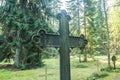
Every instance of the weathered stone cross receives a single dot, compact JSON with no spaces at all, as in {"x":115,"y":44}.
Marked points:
{"x":63,"y":41}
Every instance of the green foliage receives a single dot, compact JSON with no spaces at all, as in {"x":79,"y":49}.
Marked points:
{"x":20,"y":20}
{"x":114,"y":27}
{"x":50,"y":53}
{"x":88,"y":18}
{"x":95,"y":26}
{"x":98,"y":75}
{"x":108,"y":68}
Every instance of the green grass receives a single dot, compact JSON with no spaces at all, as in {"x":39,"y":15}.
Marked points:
{"x":52,"y":68}
{"x":79,"y":71}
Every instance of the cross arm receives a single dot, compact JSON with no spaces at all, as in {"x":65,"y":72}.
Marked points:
{"x":46,"y":39}
{"x":52,"y":40}
{"x":80,"y":42}
{"x":75,"y":41}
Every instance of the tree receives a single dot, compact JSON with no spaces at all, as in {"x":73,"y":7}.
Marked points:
{"x":90,"y":28}
{"x":21,"y":19}
{"x":114,"y":23}
{"x":107,"y":28}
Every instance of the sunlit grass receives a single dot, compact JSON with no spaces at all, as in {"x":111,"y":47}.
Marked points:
{"x":79,"y":71}
{"x":50,"y":71}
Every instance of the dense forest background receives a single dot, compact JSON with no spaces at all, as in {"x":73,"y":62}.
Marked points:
{"x":98,"y":20}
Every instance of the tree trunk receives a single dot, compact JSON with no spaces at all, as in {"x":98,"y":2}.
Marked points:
{"x":18,"y":50}
{"x":80,"y":52}
{"x":85,"y":54}
{"x":107,"y":27}
{"x":18,"y":44}
{"x":78,"y":26}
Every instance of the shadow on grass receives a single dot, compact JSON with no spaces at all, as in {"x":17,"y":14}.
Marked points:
{"x":81,"y":66}
{"x":111,"y":69}
{"x":9,"y":67}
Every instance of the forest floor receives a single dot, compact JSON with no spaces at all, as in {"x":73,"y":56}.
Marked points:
{"x":79,"y":71}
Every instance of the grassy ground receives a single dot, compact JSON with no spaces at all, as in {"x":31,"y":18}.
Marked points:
{"x":79,"y":71}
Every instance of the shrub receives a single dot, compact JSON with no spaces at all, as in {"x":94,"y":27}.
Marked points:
{"x":98,"y":75}
{"x":107,"y":69}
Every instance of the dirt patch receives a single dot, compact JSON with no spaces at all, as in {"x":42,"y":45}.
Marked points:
{"x":9,"y":67}
{"x":116,"y":77}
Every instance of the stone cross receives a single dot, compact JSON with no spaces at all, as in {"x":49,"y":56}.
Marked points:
{"x":64,"y":41}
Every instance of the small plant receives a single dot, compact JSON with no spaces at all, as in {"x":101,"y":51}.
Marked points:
{"x":98,"y":75}
{"x":107,"y":69}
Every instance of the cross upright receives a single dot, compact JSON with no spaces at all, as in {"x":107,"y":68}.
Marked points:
{"x":64,"y":41}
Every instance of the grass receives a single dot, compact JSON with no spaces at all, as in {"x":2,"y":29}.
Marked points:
{"x":79,"y":71}
{"x":34,"y":74}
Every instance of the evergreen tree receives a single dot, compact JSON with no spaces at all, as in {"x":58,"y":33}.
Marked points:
{"x":21,"y":19}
